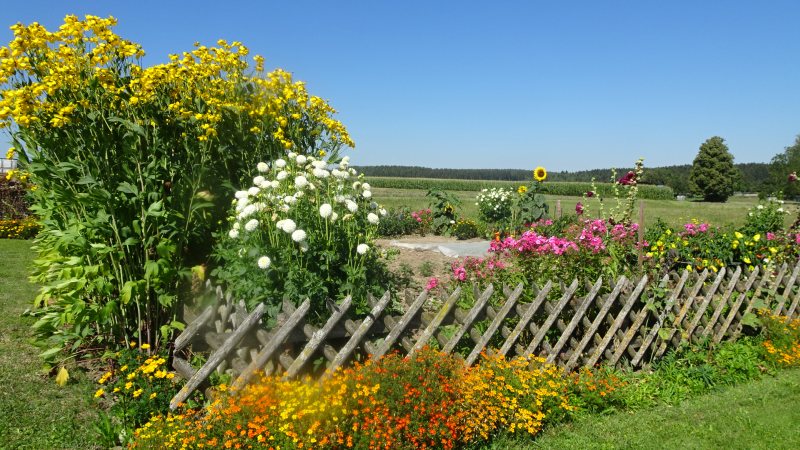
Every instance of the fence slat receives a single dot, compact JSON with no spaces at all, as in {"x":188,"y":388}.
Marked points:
{"x":317,"y":338}
{"x":435,"y":322}
{"x":638,"y":320}
{"x":650,"y":338}
{"x":216,"y":358}
{"x":709,"y":327}
{"x":551,"y":318}
{"x":598,"y":320}
{"x":467,"y":323}
{"x":498,"y":319}
{"x":787,"y":290}
{"x":620,"y":318}
{"x":355,"y":339}
{"x":699,"y":312}
{"x":681,"y":314}
{"x":401,"y":325}
{"x":526,"y":317}
{"x":269,"y":350}
{"x":193,"y":328}
{"x":578,"y":315}
{"x":735,"y":307}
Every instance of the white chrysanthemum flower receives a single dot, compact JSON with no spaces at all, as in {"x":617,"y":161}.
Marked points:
{"x":236,"y":225}
{"x":289,"y":226}
{"x":382,"y":212}
{"x":319,"y":164}
{"x":780,"y":210}
{"x":321,"y":173}
{"x":285,"y":208}
{"x":373,"y":218}
{"x":338,"y":198}
{"x":247,"y":211}
{"x":334,"y":216}
{"x":241,"y":195}
{"x":251,"y":225}
{"x":760,"y":206}
{"x":292,"y":155}
{"x":253,"y":191}
{"x":301,"y":159}
{"x":289,"y":199}
{"x":299,"y":236}
{"x":282,"y":175}
{"x":300,"y":182}
{"x":352,"y":171}
{"x":351,"y":205}
{"x":362,"y":249}
{"x":280,"y":164}
{"x":265,"y":184}
{"x":344,"y":162}
{"x":304,"y":246}
{"x":325,"y":210}
{"x":264,"y":262}
{"x":274,"y":184}
{"x":234,"y":233}
{"x":262,"y":167}
{"x":258,"y":179}
{"x":366,"y":186}
{"x":241,"y":204}
{"x":367,"y":194}
{"x":356,"y":185}
{"x":299,"y":194}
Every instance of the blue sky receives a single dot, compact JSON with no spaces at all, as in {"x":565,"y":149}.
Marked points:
{"x":567,"y":85}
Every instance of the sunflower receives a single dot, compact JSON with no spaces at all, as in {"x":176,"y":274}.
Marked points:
{"x":522,"y":189}
{"x":539,"y":174}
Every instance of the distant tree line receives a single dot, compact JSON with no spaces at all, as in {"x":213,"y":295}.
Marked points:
{"x":751,"y":177}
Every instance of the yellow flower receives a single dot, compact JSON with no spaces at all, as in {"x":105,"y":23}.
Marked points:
{"x":145,"y":346}
{"x":540,"y":174}
{"x":137,"y":393}
{"x":689,"y":267}
{"x":99,"y":393}
{"x":133,"y":344}
{"x":738,"y":235}
{"x":757,"y":238}
{"x":522,"y":189}
{"x":128,"y":385}
{"x":104,"y":378}
{"x":746,"y":259}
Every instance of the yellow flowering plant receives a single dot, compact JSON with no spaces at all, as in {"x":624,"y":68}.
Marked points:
{"x":135,"y":164}
{"x":135,"y":385}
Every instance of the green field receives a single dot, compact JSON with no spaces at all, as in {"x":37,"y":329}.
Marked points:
{"x":674,"y":212}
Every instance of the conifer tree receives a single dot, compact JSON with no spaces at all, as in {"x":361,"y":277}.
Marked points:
{"x":713,"y":175}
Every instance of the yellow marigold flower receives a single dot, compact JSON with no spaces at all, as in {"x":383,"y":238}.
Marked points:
{"x":738,"y":235}
{"x":540,"y":174}
{"x":153,"y":395}
{"x":128,"y":385}
{"x":145,"y":346}
{"x":137,"y":393}
{"x":757,"y":238}
{"x":10,"y":153}
{"x":689,"y":267}
{"x":133,"y":344}
{"x":746,"y":259}
{"x":99,"y":393}
{"x":104,"y":378}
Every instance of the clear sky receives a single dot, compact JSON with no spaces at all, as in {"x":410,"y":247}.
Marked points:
{"x":569,"y":85}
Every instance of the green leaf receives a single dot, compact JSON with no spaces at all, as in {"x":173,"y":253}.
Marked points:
{"x":128,"y":188}
{"x":129,"y":125}
{"x":50,"y":353}
{"x":127,"y":292}
{"x":751,"y":320}
{"x":155,"y":209}
{"x":664,"y":333}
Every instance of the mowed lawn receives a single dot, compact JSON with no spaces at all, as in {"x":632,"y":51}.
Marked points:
{"x":35,"y":413}
{"x":674,"y":212}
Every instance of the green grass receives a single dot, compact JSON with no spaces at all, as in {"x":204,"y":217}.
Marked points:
{"x":35,"y":413}
{"x":674,"y":212}
{"x":762,"y":414}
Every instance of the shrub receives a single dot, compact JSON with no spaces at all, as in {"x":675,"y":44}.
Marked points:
{"x":14,"y":189}
{"x":26,"y":228}
{"x":397,"y":222}
{"x":765,"y":218}
{"x":466,"y":229}
{"x":443,"y":207}
{"x":494,"y":205}
{"x":133,"y":165}
{"x":713,"y":174}
{"x":303,"y":231}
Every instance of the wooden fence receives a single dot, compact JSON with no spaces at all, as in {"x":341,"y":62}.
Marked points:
{"x":624,"y":322}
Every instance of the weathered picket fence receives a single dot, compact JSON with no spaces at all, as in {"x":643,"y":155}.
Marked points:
{"x":627,"y":324}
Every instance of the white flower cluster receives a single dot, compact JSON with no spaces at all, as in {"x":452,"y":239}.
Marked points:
{"x":495,"y":203}
{"x":303,"y":190}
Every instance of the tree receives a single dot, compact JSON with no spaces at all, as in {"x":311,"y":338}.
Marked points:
{"x":713,"y":175}
{"x":780,"y":170}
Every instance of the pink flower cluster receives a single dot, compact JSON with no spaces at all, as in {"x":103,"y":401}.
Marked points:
{"x":423,"y":215}
{"x":476,"y":268}
{"x":532,"y":242}
{"x":693,"y":229}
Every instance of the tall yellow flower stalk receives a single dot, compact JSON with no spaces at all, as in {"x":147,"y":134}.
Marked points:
{"x":134,"y":163}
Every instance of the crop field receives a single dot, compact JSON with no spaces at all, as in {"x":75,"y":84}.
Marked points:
{"x":674,"y":212}
{"x":570,"y":188}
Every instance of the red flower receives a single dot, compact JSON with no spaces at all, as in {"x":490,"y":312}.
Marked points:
{"x":579,"y":208}
{"x":793,"y":177}
{"x":589,"y":194}
{"x":628,"y":179}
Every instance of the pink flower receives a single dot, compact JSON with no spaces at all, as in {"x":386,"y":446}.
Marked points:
{"x":579,"y":208}
{"x":793,"y":177}
{"x":433,"y":282}
{"x":589,"y":194}
{"x":460,"y":273}
{"x":770,"y":236}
